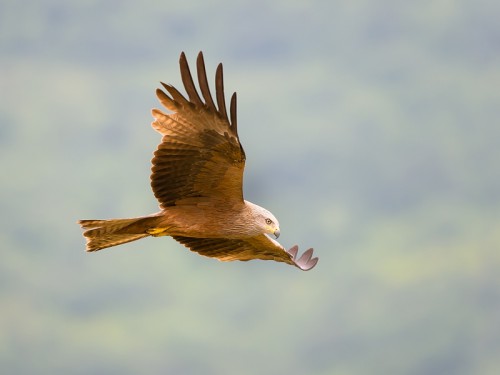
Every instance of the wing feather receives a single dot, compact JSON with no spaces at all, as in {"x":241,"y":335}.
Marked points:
{"x":232,"y":110}
{"x":203,"y":82}
{"x":177,"y":97}
{"x":259,"y":247}
{"x":187,"y":80}
{"x":200,"y":154}
{"x":219,"y":92}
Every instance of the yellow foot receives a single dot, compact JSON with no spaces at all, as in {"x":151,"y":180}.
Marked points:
{"x":157,"y":232}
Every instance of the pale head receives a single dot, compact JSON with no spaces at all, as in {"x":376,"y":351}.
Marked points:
{"x":264,"y":220}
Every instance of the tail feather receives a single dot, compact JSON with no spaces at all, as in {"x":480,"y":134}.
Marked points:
{"x":101,"y":234}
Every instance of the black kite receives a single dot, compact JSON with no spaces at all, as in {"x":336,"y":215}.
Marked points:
{"x":197,"y":177}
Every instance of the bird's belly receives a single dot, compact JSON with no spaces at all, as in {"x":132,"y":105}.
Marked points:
{"x":193,"y":221}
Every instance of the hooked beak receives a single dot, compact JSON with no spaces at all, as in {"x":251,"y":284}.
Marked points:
{"x":277,"y":233}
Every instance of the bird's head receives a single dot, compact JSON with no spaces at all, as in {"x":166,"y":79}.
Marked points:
{"x":265,"y":220}
{"x":272,"y":226}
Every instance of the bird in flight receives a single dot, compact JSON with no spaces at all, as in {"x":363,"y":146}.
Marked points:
{"x":197,"y":178}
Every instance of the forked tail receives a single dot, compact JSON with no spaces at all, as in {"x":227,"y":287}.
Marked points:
{"x":101,"y":234}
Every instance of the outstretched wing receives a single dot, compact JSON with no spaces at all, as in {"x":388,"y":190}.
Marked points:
{"x":259,"y":247}
{"x":200,"y":154}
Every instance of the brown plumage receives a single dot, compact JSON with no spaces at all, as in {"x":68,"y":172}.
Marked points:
{"x":197,"y":177}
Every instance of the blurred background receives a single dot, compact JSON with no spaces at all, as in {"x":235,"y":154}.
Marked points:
{"x":371,"y":131}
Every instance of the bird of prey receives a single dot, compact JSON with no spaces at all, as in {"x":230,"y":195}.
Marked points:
{"x":197,"y":177}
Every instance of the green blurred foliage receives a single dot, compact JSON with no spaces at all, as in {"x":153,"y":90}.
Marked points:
{"x":371,"y":131}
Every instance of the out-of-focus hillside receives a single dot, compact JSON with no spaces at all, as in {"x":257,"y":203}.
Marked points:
{"x":371,"y":132}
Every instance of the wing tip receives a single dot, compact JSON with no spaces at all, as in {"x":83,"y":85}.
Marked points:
{"x":305,"y":262}
{"x":192,"y":91}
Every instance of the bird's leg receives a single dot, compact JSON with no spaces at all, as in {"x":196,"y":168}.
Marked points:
{"x":157,"y":232}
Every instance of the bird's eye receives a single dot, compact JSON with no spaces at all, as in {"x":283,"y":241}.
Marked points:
{"x":269,"y":221}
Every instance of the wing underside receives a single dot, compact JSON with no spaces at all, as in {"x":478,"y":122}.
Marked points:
{"x":260,"y":247}
{"x":200,"y":154}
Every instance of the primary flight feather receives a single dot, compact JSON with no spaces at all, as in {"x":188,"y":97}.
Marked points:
{"x":197,"y":177}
